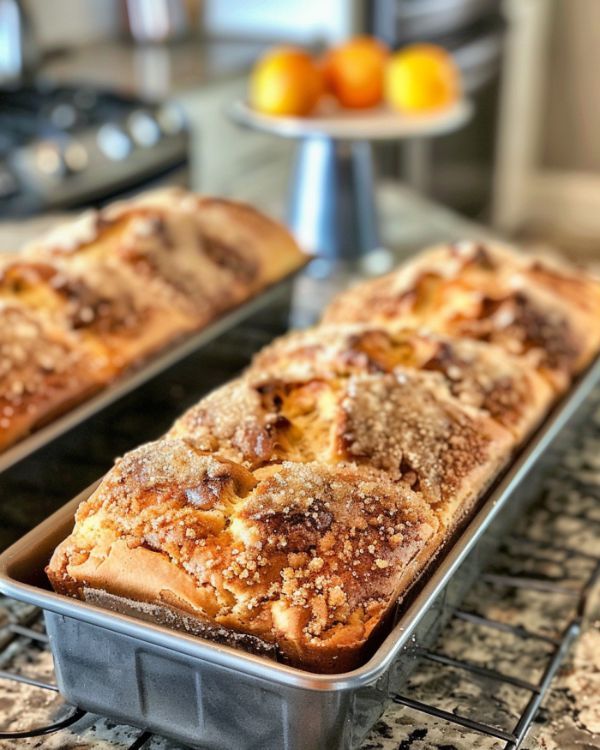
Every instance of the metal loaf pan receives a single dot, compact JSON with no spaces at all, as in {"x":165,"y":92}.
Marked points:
{"x":217,"y":698}
{"x":140,"y":374}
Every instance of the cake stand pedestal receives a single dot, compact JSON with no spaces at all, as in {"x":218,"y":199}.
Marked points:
{"x":331,"y":209}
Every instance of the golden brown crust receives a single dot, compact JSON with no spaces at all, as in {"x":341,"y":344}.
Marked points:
{"x":259,"y":555}
{"x":402,"y":424}
{"x":490,"y":294}
{"x":117,"y":285}
{"x":256,"y":240}
{"x":196,"y":244}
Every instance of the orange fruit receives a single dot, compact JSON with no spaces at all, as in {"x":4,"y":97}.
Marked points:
{"x":285,"y":81}
{"x":421,"y":77}
{"x":354,"y":72}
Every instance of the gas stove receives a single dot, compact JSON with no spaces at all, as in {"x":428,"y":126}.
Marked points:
{"x":65,"y":146}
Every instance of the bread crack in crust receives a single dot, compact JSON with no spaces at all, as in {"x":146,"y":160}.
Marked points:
{"x":290,"y":511}
{"x":117,"y":285}
{"x":264,"y":422}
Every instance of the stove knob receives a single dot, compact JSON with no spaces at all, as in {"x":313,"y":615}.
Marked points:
{"x":114,"y":141}
{"x":76,"y":156}
{"x":144,"y":128}
{"x":49,"y":160}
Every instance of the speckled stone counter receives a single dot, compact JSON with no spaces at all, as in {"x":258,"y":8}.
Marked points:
{"x":567,"y":515}
{"x":156,"y":71}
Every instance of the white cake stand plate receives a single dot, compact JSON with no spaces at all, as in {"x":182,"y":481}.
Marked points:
{"x":379,"y":124}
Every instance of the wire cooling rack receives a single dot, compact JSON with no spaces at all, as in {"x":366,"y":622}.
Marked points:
{"x":550,"y":585}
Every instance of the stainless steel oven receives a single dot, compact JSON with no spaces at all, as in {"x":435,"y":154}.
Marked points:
{"x":63,"y":147}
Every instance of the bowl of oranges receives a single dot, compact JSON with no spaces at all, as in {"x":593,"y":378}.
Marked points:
{"x":358,"y":89}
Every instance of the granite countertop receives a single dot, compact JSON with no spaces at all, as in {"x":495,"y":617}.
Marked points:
{"x":155,"y":71}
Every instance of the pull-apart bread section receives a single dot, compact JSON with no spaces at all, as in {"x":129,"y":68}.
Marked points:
{"x":117,"y":285}
{"x":206,"y":250}
{"x":291,"y":509}
{"x":165,"y":263}
{"x":529,"y":306}
{"x":403,"y":423}
{"x":104,"y":305}
{"x":477,"y":374}
{"x":309,"y":558}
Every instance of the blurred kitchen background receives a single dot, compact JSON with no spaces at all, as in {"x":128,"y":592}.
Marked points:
{"x":101,"y":98}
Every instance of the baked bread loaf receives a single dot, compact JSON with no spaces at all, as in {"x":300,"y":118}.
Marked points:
{"x":291,"y":509}
{"x":116,"y":285}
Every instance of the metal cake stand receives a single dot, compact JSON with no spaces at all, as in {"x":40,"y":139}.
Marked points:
{"x":332,"y":209}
